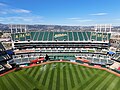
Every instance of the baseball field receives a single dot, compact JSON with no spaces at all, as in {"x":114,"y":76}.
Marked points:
{"x":60,"y":76}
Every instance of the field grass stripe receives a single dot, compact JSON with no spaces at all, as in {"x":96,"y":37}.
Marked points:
{"x":58,"y":77}
{"x":25,"y":79}
{"x":48,"y":79}
{"x":75,"y":75}
{"x":117,"y":86}
{"x":104,"y":82}
{"x":29,"y":70}
{"x":99,"y":81}
{"x":88,"y":74}
{"x":7,"y":83}
{"x":12,"y":82}
{"x":90,"y":71}
{"x":36,"y":70}
{"x":68,"y":77}
{"x":25,"y":69}
{"x":65,"y":78}
{"x":61,"y":76}
{"x":71,"y":76}
{"x":32,"y":80}
{"x":79,"y":74}
{"x":95,"y":70}
{"x":40,"y":73}
{"x":3,"y":85}
{"x":46,"y":75}
{"x":113,"y":84}
{"x":29,"y":78}
{"x":21,"y":81}
{"x":33,"y":71}
{"x":82,"y":72}
{"x":87,"y":82}
{"x":18,"y":83}
{"x":46,"y":68}
{"x":108,"y":82}
{"x":55,"y":75}
{"x":94,"y":81}
{"x":50,"y":87}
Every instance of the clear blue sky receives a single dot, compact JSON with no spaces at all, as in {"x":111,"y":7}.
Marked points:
{"x":63,"y":12}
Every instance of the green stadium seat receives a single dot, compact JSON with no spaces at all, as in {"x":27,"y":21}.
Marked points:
{"x":109,"y":35}
{"x":105,"y":37}
{"x":70,"y":36}
{"x":93,"y":36}
{"x":89,"y":35}
{"x":50,"y":38}
{"x":75,"y":36}
{"x":16,"y":36}
{"x":28,"y":36}
{"x":99,"y":37}
{"x":40,"y":37}
{"x":32,"y":35}
{"x":61,"y":36}
{"x":85,"y":36}
{"x":80,"y":36}
{"x":45,"y":36}
{"x":13,"y":37}
{"x":22,"y":36}
{"x":36,"y":36}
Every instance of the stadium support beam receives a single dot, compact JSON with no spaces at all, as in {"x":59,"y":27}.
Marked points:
{"x":11,"y":28}
{"x":25,"y":28}
{"x":110,"y":27}
{"x":100,"y":27}
{"x":21,"y":28}
{"x":16,"y":29}
{"x":105,"y":28}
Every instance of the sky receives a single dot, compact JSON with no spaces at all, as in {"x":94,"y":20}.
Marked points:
{"x":60,"y":12}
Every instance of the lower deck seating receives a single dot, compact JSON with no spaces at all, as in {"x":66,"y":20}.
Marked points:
{"x":96,"y":59}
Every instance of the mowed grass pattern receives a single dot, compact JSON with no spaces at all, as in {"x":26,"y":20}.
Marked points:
{"x":60,"y":76}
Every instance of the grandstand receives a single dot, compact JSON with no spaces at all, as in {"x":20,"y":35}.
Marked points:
{"x":61,"y":40}
{"x":4,"y":58}
{"x":3,"y":53}
{"x":62,"y":36}
{"x":116,"y":57}
{"x":95,"y":58}
{"x":66,"y":43}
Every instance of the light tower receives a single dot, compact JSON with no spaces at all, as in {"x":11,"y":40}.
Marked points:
{"x":103,"y":28}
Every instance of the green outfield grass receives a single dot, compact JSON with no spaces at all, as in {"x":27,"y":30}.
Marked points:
{"x":60,"y":76}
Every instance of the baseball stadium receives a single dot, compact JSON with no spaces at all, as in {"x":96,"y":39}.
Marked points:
{"x":60,"y":60}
